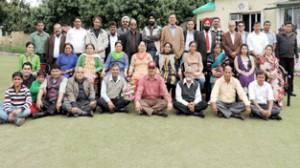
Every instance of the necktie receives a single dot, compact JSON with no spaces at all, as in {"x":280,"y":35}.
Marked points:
{"x":207,"y":42}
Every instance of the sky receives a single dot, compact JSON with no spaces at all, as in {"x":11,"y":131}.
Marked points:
{"x":33,"y":3}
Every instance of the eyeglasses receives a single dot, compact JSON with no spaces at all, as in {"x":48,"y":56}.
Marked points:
{"x":151,"y":68}
{"x":125,"y":21}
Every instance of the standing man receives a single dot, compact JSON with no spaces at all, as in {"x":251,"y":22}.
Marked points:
{"x":223,"y":96}
{"x":207,"y":41}
{"x":173,"y":34}
{"x":39,"y":38}
{"x":54,"y":45}
{"x":257,"y":41}
{"x":261,"y":96}
{"x":76,"y":36}
{"x":271,"y":35}
{"x":151,"y":35}
{"x":125,"y":25}
{"x":216,"y":29}
{"x":131,"y":39}
{"x":97,"y":37}
{"x":190,"y":34}
{"x":241,"y":30}
{"x":113,"y":37}
{"x":287,"y":50}
{"x":28,"y":78}
{"x":231,"y":42}
{"x":149,"y":94}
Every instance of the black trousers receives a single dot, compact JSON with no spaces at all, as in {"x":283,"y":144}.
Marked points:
{"x":119,"y":104}
{"x":171,"y":88}
{"x":49,"y":107}
{"x":42,"y":57}
{"x":185,"y":110}
{"x":289,"y":65}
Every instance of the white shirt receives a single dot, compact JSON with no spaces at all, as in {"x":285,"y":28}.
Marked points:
{"x":77,"y":38}
{"x":189,"y":38}
{"x":210,"y":41}
{"x":262,"y":94}
{"x":179,"y":98}
{"x":112,"y":41}
{"x":257,"y":42}
{"x":56,"y":46}
{"x":232,"y":36}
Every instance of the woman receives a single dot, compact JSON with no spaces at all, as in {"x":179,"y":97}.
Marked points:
{"x":245,"y":66}
{"x":216,"y":62}
{"x":29,"y":56}
{"x":139,"y":63}
{"x":193,"y":59}
{"x":67,"y":60}
{"x":90,"y":62}
{"x":117,"y":57}
{"x":269,"y":64}
{"x":167,"y":67}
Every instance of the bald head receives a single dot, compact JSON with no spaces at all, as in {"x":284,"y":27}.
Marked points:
{"x":227,"y":73}
{"x":57,"y":29}
{"x":231,"y":26}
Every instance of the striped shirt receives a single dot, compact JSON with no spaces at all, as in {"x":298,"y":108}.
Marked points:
{"x":13,"y":99}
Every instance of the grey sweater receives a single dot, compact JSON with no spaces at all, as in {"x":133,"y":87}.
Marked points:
{"x":286,"y":46}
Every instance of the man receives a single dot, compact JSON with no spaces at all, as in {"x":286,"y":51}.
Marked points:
{"x":80,"y":95}
{"x":54,"y":88}
{"x":287,"y":50}
{"x":223,"y":96}
{"x":28,"y":78}
{"x":241,"y":30}
{"x":173,"y":34}
{"x":261,"y":96}
{"x":76,"y":36}
{"x":16,"y":102}
{"x":271,"y":35}
{"x":150,"y":90}
{"x":111,"y":89}
{"x":207,"y":41}
{"x":190,"y":34}
{"x":231,"y":42}
{"x":216,"y":29}
{"x":188,"y":96}
{"x":151,"y":35}
{"x":257,"y":41}
{"x":54,"y":44}
{"x":113,"y":37}
{"x":131,"y":39}
{"x":98,"y":37}
{"x":125,"y":25}
{"x":39,"y":38}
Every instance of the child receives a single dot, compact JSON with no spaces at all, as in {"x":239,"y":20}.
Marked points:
{"x":16,"y":102}
{"x":34,"y":90}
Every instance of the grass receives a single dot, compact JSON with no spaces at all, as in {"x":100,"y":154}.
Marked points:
{"x":129,"y":140}
{"x":13,"y":48}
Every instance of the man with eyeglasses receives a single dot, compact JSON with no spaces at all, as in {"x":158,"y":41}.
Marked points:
{"x":151,"y":90}
{"x":79,"y":99}
{"x":125,"y":25}
{"x":241,"y":30}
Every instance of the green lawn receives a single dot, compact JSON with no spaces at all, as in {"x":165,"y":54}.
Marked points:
{"x":129,"y":140}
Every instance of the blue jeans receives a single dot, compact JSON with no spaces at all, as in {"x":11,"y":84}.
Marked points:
{"x":201,"y":82}
{"x":154,"y":56}
{"x":23,"y":114}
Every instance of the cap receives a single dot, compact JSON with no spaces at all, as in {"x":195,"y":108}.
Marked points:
{"x":151,"y":64}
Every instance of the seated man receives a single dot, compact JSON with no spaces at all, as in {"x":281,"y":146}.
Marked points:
{"x":111,"y":90}
{"x":149,"y":94}
{"x":80,"y":95}
{"x":28,"y":78}
{"x":53,"y":87}
{"x":188,"y":96}
{"x":16,"y":102}
{"x":223,"y":96}
{"x":261,"y":96}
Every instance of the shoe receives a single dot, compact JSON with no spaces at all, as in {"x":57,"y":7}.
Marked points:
{"x":239,"y":116}
{"x":84,"y":113}
{"x":220,"y":115}
{"x":163,"y":113}
{"x":39,"y":115}
{"x":200,"y":114}
{"x":251,"y":115}
{"x":275,"y":117}
{"x":124,"y":110}
{"x":1,"y":121}
{"x":20,"y":121}
{"x":293,"y":94}
{"x":69,"y":114}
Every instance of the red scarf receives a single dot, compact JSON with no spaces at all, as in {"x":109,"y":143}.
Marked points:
{"x":141,"y":57}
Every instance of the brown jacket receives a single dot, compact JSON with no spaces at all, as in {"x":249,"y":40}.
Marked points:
{"x":177,"y":41}
{"x":49,"y":48}
{"x":229,"y":47}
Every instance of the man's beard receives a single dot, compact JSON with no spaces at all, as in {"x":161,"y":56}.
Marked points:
{"x":206,"y":28}
{"x":151,"y":23}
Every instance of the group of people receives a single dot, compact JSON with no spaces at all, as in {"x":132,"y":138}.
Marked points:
{"x":91,"y":68}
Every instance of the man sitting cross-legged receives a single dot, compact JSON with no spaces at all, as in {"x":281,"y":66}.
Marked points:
{"x":79,"y":99}
{"x":111,"y":90}
{"x":188,"y":96}
{"x":261,"y":96}
{"x":223,"y":96}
